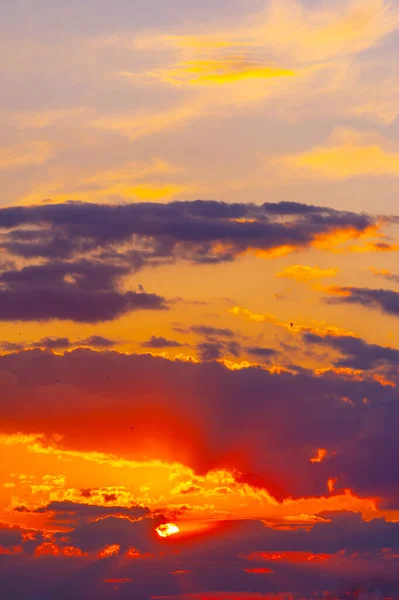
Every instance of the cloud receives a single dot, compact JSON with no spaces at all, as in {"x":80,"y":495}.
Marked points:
{"x":386,"y":274}
{"x":348,"y":154}
{"x":200,"y":231}
{"x":43,"y":119}
{"x":146,"y":123}
{"x":160,"y":342}
{"x":312,"y":326}
{"x":89,"y":249}
{"x":341,"y":553}
{"x":145,"y":180}
{"x":387,"y":301}
{"x":96,"y":341}
{"x":10,"y":536}
{"x":324,"y":32}
{"x":322,"y":46}
{"x":23,"y":155}
{"x":210,"y":332}
{"x":73,"y":514}
{"x":209,"y":351}
{"x":261,"y":352}
{"x":305,"y":273}
{"x":224,"y":70}
{"x":358,"y":354}
{"x":252,"y":431}
{"x":83,"y":291}
{"x":218,"y":342}
{"x":54,"y":343}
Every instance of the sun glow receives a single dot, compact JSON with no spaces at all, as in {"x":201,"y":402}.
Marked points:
{"x":167,"y":529}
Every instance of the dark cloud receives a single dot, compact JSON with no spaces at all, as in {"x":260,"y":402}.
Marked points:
{"x":385,"y":300}
{"x":11,"y":346}
{"x":96,"y":341}
{"x":218,"y":341}
{"x":10,"y":536}
{"x":210,"y":350}
{"x":89,"y":249}
{"x":160,"y":342}
{"x":358,"y":354}
{"x":261,"y":352}
{"x":386,"y":275}
{"x":93,"y":536}
{"x":211,"y":331}
{"x":342,"y":557}
{"x":277,"y":419}
{"x":73,"y":513}
{"x":187,"y":230}
{"x":83,"y":291}
{"x":233,"y":348}
{"x":54,"y":343}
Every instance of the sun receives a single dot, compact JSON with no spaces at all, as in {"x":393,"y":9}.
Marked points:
{"x":167,"y":529}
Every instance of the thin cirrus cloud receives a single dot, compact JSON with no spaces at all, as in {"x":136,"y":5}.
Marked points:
{"x":240,"y":57}
{"x":306,"y":273}
{"x":347,"y":155}
{"x":216,"y":72}
{"x":25,"y":155}
{"x":324,"y":31}
{"x":140,"y":180}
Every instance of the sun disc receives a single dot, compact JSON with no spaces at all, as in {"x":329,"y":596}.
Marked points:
{"x":167,"y":529}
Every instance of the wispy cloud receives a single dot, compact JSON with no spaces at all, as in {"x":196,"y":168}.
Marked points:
{"x":25,"y":155}
{"x":346,"y":155}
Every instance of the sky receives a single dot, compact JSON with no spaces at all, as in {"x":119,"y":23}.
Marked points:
{"x":199,"y":300}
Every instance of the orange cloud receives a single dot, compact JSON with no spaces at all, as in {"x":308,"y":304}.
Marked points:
{"x":374,"y":247}
{"x":316,"y":327}
{"x":49,"y":548}
{"x":219,"y":71}
{"x":42,"y":119}
{"x":23,"y":155}
{"x":136,"y":554}
{"x":12,"y":550}
{"x":294,"y":557}
{"x":295,"y":30}
{"x":145,"y":123}
{"x":334,"y":241}
{"x":331,"y":484}
{"x":110,"y":550}
{"x":305,"y":273}
{"x":346,"y":155}
{"x":259,"y":571}
{"x":321,"y":454}
{"x":273,"y":252}
{"x":355,"y":374}
{"x":338,"y":290}
{"x":182,"y":572}
{"x":143,"y":180}
{"x":383,"y":272}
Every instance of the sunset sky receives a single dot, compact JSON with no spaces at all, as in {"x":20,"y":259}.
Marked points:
{"x":199,"y":300}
